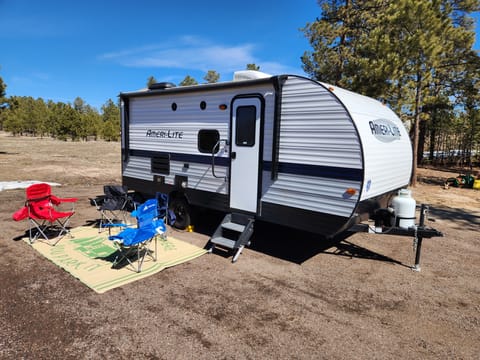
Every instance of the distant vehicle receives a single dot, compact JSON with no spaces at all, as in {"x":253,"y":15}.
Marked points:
{"x":455,"y":153}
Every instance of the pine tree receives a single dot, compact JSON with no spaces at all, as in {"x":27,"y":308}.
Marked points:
{"x":211,"y":77}
{"x":151,"y":80}
{"x":188,"y":80}
{"x":402,"y":52}
{"x":111,"y":121}
{"x":253,"y":67}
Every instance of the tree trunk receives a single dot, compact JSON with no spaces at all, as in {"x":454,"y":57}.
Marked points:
{"x":416,"y":129}
{"x":421,"y":141}
{"x":433,"y":134}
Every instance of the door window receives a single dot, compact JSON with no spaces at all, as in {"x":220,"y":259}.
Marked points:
{"x":245,"y":126}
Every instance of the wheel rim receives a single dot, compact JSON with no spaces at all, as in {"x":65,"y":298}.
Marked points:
{"x":180,"y":211}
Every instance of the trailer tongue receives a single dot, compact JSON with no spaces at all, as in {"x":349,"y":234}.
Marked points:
{"x":417,"y":232}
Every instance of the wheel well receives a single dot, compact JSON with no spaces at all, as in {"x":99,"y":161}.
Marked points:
{"x":178,"y":195}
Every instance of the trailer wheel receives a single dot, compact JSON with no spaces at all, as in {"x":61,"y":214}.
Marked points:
{"x":180,"y":208}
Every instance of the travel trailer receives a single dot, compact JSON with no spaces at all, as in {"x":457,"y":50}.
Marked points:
{"x":284,"y":149}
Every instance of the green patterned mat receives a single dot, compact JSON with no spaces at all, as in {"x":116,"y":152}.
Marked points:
{"x":88,"y":256}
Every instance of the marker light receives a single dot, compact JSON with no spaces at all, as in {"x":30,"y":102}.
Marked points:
{"x":351,"y":191}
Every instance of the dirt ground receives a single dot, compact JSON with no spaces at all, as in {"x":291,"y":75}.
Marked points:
{"x":291,"y":295}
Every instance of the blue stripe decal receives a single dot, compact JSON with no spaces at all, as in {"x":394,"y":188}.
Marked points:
{"x":201,"y":159}
{"x":330,"y":172}
{"x":188,"y":158}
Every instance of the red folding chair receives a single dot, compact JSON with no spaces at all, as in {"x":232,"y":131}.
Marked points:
{"x":44,"y":217}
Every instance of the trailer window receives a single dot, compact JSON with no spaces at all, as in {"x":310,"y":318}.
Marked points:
{"x":207,"y":139}
{"x":245,"y":126}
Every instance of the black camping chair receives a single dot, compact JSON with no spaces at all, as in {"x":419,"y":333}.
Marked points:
{"x":114,"y":206}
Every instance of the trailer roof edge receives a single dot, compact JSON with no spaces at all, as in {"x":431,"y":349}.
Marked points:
{"x":202,"y":87}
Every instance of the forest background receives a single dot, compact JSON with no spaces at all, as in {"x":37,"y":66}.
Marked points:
{"x":416,"y":56}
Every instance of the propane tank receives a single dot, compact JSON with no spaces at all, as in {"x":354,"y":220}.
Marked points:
{"x":404,"y":209}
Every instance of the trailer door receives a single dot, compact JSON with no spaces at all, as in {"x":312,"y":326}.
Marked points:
{"x":246,"y":116}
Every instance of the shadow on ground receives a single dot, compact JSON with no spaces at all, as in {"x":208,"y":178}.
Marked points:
{"x":289,"y":244}
{"x":298,"y":246}
{"x":468,"y":220}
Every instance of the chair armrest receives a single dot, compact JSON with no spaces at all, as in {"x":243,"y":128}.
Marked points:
{"x":110,"y":225}
{"x":66,"y":199}
{"x":97,"y":201}
{"x":58,"y":201}
{"x":20,"y":214}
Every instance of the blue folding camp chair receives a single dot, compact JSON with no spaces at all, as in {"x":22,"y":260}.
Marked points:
{"x":133,"y":244}
{"x":164,"y":212}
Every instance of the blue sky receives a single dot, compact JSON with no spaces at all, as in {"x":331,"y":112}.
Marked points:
{"x":59,"y":50}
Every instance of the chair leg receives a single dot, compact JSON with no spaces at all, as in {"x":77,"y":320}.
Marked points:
{"x":109,"y":217}
{"x":41,"y":230}
{"x":104,"y":220}
{"x":63,"y":230}
{"x":140,"y":251}
{"x":139,"y":260}
{"x":124,"y":254}
{"x":120,"y":256}
{"x":40,"y":227}
{"x":156,"y":245}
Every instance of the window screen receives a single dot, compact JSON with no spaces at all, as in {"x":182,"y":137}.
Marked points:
{"x":245,"y":127}
{"x":207,"y":139}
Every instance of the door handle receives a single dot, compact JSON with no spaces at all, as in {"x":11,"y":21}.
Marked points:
{"x":233,"y":155}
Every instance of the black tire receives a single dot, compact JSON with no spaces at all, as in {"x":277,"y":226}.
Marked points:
{"x":180,"y":208}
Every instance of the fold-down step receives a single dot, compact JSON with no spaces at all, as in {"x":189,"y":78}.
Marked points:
{"x":233,"y":233}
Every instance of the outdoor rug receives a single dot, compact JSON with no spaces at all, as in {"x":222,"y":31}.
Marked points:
{"x":89,"y":255}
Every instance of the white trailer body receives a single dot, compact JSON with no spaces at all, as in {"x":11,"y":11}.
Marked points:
{"x":284,"y":149}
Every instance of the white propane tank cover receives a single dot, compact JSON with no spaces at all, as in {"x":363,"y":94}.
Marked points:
{"x":249,"y":75}
{"x":404,"y":209}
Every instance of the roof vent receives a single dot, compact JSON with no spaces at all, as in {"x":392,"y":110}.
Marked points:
{"x":161,"y":86}
{"x":249,"y":75}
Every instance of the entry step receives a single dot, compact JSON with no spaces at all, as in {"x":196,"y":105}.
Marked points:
{"x":233,"y":226}
{"x":220,"y":240}
{"x":234,"y":233}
